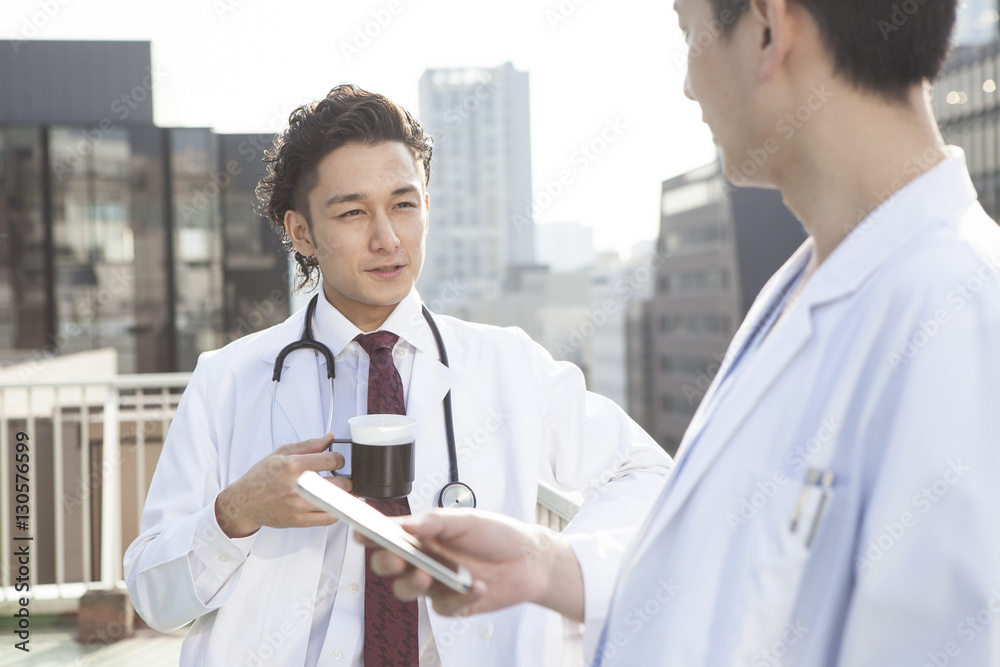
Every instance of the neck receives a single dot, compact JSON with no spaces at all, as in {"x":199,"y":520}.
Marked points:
{"x":865,"y":151}
{"x":366,"y":317}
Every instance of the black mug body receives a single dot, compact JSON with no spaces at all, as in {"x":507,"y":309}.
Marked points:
{"x":382,"y":471}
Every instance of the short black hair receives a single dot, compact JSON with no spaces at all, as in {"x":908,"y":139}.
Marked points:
{"x":347,"y":115}
{"x":881,"y":46}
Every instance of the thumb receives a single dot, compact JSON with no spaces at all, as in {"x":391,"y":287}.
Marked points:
{"x":313,"y":446}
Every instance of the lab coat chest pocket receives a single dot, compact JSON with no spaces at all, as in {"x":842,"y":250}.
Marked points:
{"x":792,"y":508}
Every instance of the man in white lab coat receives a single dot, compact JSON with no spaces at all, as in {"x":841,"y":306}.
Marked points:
{"x":269,"y":579}
{"x":835,"y":499}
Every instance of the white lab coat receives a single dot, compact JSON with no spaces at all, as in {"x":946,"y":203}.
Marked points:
{"x":888,"y":366}
{"x":519,"y":417}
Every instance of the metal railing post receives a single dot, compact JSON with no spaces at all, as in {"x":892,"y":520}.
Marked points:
{"x":111,"y":492}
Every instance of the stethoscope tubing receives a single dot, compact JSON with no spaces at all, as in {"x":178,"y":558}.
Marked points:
{"x":308,"y":341}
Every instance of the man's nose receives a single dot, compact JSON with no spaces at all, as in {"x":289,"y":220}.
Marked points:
{"x":384,"y":234}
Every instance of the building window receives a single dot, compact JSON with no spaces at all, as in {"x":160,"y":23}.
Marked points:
{"x":666,"y":364}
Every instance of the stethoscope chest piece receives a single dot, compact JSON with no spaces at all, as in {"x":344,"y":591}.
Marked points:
{"x":457,"y":494}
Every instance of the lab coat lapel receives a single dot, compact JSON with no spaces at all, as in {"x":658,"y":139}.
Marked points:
{"x":721,"y":425}
{"x":429,"y":382}
{"x":868,"y":247}
{"x":298,"y":408}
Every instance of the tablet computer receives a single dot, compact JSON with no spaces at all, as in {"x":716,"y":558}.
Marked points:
{"x":381,"y":529}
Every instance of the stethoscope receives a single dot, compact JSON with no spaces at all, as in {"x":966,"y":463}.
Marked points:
{"x":454,"y":493}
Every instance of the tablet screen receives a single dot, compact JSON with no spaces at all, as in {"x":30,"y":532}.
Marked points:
{"x":381,"y":529}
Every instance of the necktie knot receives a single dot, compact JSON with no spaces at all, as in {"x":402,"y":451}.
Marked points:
{"x":378,"y":340}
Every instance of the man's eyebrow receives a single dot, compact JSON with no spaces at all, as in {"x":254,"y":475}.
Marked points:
{"x":343,"y":199}
{"x":361,"y":196}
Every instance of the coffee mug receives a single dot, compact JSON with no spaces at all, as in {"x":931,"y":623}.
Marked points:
{"x":382,"y":463}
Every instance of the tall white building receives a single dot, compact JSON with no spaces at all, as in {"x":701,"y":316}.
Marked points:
{"x":480,"y":219}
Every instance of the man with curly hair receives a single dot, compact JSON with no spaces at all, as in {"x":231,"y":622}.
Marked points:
{"x":270,"y":580}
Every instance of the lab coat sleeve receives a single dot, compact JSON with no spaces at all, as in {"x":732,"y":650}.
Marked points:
{"x":182,"y":565}
{"x":590,"y":446}
{"x":927,"y":558}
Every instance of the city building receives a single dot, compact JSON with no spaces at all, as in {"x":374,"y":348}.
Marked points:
{"x":481,"y":219}
{"x":115,"y":232}
{"x":615,"y":286}
{"x":718,"y":245}
{"x":966,"y":103}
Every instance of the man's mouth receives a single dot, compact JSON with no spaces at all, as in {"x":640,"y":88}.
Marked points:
{"x":388,"y":269}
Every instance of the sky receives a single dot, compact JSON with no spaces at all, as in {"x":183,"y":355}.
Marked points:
{"x":243,"y":65}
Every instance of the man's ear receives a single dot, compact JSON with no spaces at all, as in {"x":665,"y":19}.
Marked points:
{"x":427,"y":208}
{"x":774,"y":27}
{"x":298,"y":231}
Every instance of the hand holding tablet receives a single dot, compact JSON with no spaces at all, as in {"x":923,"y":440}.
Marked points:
{"x":382,"y":530}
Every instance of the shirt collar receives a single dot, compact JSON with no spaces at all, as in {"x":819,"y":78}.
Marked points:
{"x":406,"y":321}
{"x":935,"y":197}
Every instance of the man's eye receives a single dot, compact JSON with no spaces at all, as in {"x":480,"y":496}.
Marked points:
{"x":353,"y":213}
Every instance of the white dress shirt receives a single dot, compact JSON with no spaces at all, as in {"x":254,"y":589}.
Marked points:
{"x":351,"y":388}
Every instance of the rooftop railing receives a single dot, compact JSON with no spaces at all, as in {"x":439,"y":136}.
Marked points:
{"x":77,"y":497}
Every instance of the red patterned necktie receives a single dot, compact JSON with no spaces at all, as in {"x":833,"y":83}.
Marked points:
{"x":390,"y":625}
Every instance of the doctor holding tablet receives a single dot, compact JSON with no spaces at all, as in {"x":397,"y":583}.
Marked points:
{"x":269,"y":578}
{"x":835,"y":500}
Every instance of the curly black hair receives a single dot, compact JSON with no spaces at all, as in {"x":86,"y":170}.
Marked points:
{"x":347,"y":115}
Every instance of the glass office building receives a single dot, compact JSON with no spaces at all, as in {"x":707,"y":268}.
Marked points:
{"x":117,"y":233}
{"x":965,"y":99}
{"x":718,"y":245}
